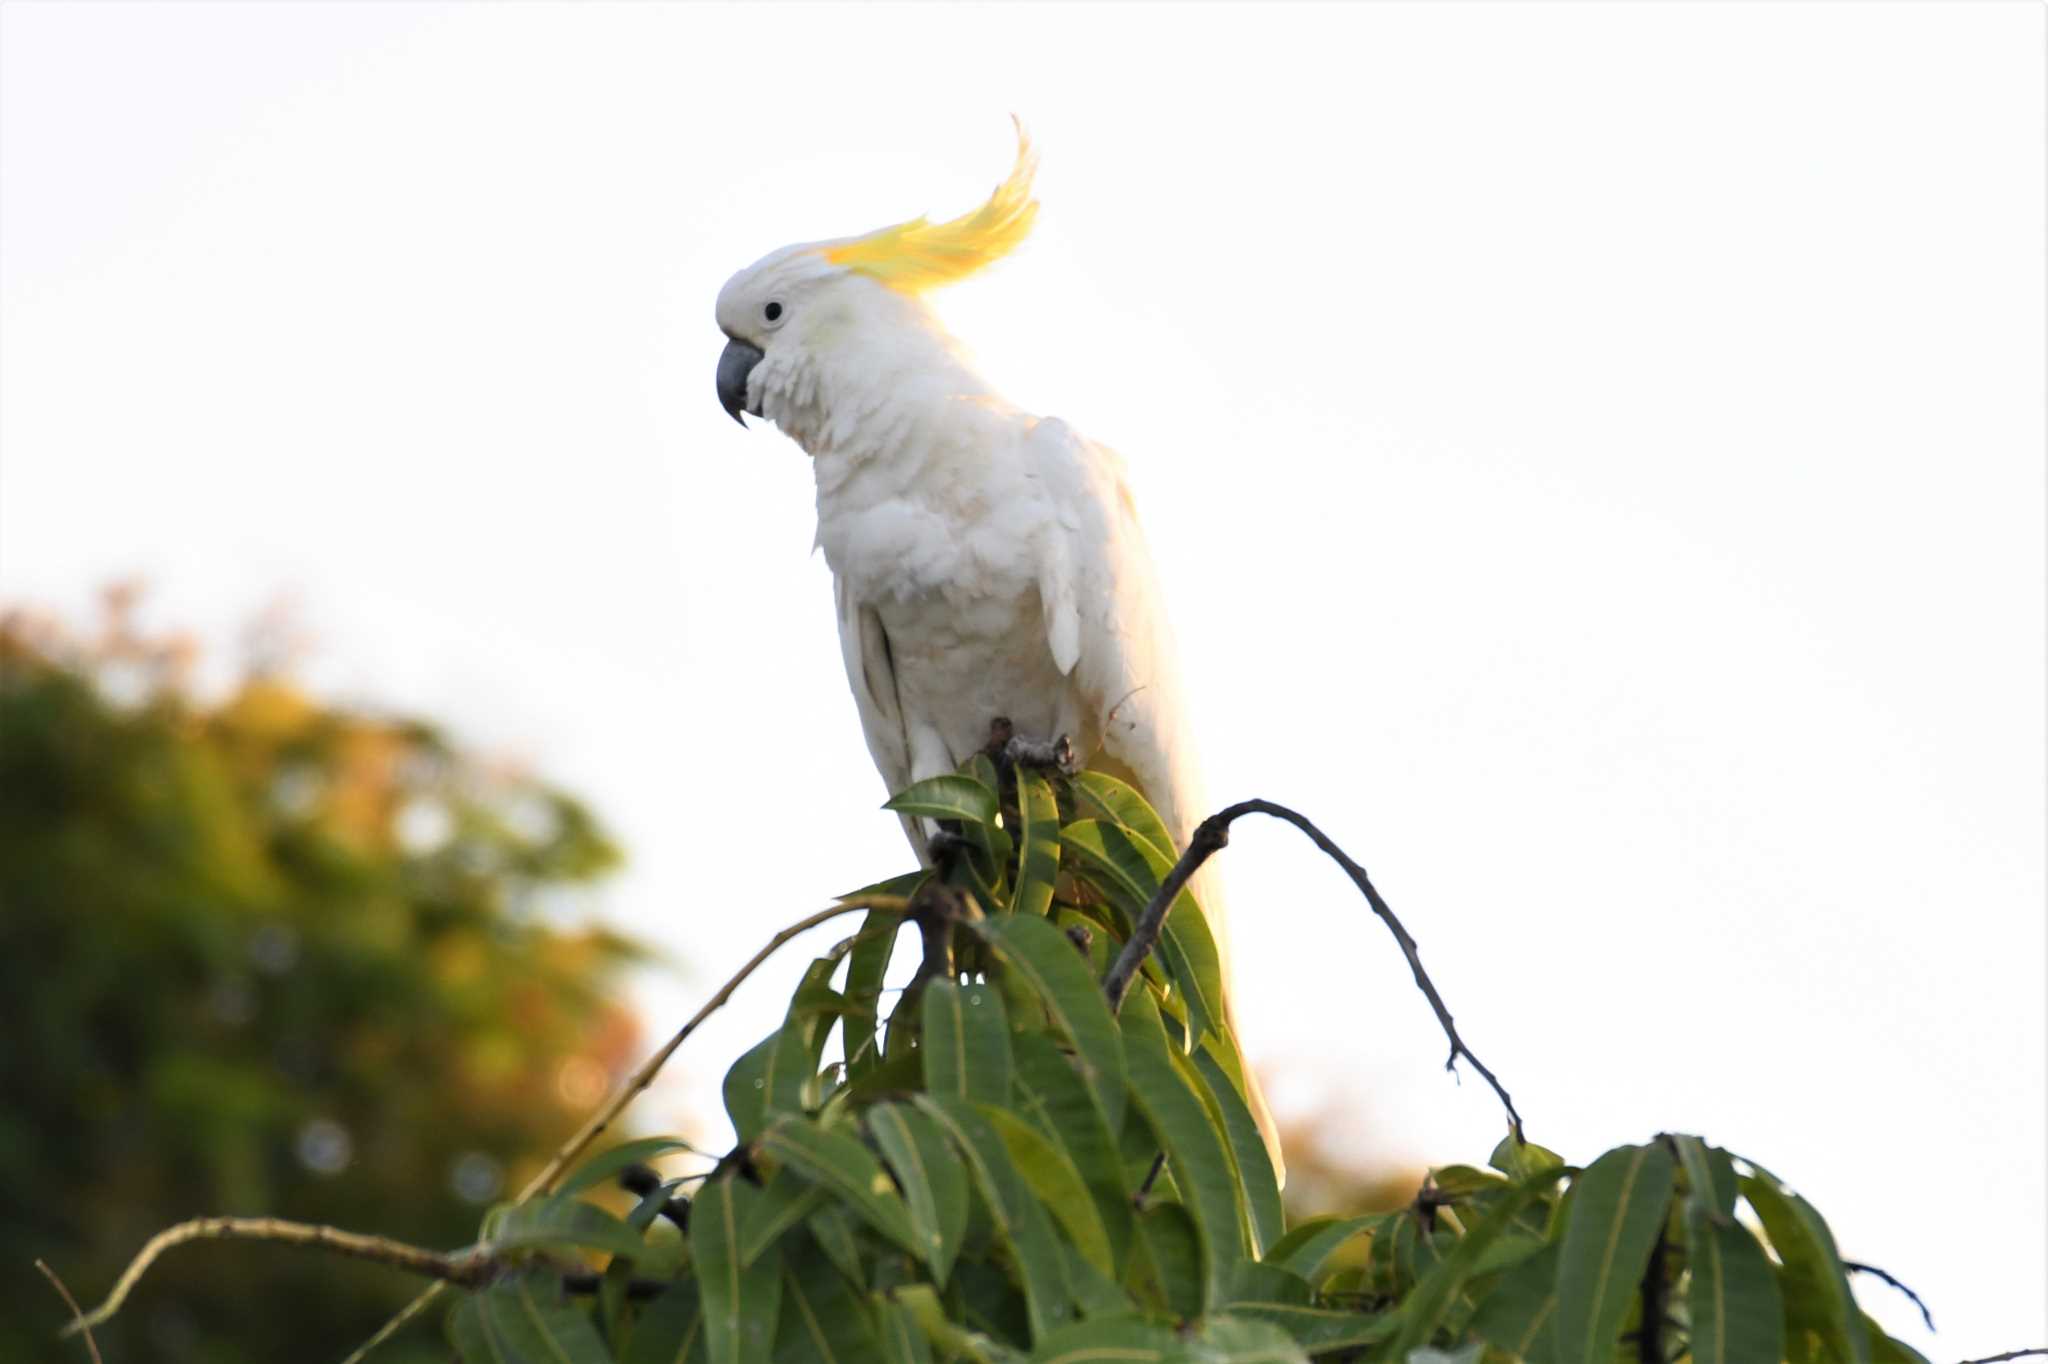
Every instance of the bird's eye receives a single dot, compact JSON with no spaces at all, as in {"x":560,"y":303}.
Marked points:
{"x":773,"y":312}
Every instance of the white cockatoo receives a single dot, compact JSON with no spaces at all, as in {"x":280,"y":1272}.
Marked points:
{"x":986,"y":562}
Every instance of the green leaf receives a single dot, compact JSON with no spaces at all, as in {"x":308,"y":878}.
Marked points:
{"x":1817,"y":1294}
{"x":1129,"y":868}
{"x":966,"y":1041}
{"x":1733,"y":1300}
{"x":832,"y":1228}
{"x":1619,"y":1206}
{"x":1423,"y":1310}
{"x":934,"y":1182}
{"x":1057,"y":1184}
{"x":1709,"y":1176}
{"x":1320,"y":1330}
{"x":670,"y":1329}
{"x":1195,"y":1150}
{"x":1125,"y":1340}
{"x":525,"y":1320}
{"x":1885,"y":1350}
{"x":601,"y":1168}
{"x":849,"y":1170}
{"x":902,"y":1341}
{"x":787,"y":1200}
{"x":1038,"y":857}
{"x":1252,"y":1281}
{"x":740,"y":1303}
{"x":1040,"y":953}
{"x":867,"y":968}
{"x":746,"y":1089}
{"x":1520,"y":1159}
{"x":821,"y":1318}
{"x":1120,"y":803}
{"x":557,"y":1221}
{"x":1240,"y":1340}
{"x":1257,"y":1185}
{"x":952,"y":796}
{"x":1019,"y":1218}
{"x":1169,"y":1267}
{"x":1053,"y":1095}
{"x":958,"y":1343}
{"x":1519,"y":1314}
{"x":1307,"y":1248}
{"x":791,"y":1065}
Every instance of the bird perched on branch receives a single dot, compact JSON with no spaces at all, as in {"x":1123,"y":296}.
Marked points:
{"x":986,"y":562}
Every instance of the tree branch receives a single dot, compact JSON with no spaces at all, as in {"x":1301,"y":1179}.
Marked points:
{"x":1213,"y":834}
{"x":2009,"y":1354}
{"x":465,"y":1267}
{"x":1855,"y":1268}
{"x":77,"y":1317}
{"x":640,"y":1079}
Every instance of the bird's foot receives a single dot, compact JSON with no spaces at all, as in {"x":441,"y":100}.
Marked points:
{"x":1056,"y":754}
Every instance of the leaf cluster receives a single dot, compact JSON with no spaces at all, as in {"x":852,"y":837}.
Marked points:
{"x":1005,"y":1169}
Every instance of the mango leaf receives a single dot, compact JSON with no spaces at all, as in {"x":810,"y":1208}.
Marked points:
{"x":1057,"y":1184}
{"x":1038,"y":857}
{"x":1238,"y":1340}
{"x":555,"y":1221}
{"x":1257,"y":1185}
{"x":601,"y":1168}
{"x":1019,"y":1218}
{"x":1619,"y":1206}
{"x":1252,"y":1281}
{"x":867,"y":967}
{"x":902,"y":1341}
{"x":1053,"y":1096}
{"x":1126,"y":1338}
{"x":791,"y":1064}
{"x":831,"y":1227}
{"x":966,"y":1041}
{"x":1423,"y":1310}
{"x":1193,"y":1147}
{"x":1320,"y":1330}
{"x":1709,"y":1176}
{"x":1129,"y":869}
{"x":740,"y":1303}
{"x":952,"y":796}
{"x":1307,"y":1248}
{"x":787,"y":1200}
{"x":746,"y":1089}
{"x":1168,"y":1267}
{"x":1733,"y":1300}
{"x":1817,"y":1294}
{"x":821,"y":1318}
{"x":934,"y":1182}
{"x":670,"y":1329}
{"x":1042,"y":955}
{"x":1120,"y":803}
{"x":1519,"y":1314}
{"x":924,"y":1308}
{"x":1520,"y":1159}
{"x":524,"y":1319}
{"x":849,"y":1170}
{"x":1885,"y":1350}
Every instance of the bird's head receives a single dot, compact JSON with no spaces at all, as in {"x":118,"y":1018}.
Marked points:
{"x":803,"y":321}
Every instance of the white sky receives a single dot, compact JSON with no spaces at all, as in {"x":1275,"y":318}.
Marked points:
{"x":1595,"y":452}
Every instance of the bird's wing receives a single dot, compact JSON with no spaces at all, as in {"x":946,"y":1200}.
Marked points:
{"x":871,"y":675}
{"x":1106,"y":622}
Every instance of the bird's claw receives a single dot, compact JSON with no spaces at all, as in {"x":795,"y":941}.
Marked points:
{"x":1057,"y":754}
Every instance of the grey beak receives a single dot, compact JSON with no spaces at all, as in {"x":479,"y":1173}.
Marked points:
{"x":733,"y":368}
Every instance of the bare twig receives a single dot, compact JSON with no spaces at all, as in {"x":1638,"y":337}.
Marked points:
{"x":77,"y":1317}
{"x":1151,"y":1178}
{"x":2009,"y":1354}
{"x":639,"y":1081}
{"x":1213,"y":834}
{"x":468,"y":1267}
{"x":1855,"y":1268}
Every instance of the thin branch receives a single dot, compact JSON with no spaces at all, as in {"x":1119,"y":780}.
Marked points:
{"x":77,"y":1317}
{"x":1213,"y":834}
{"x":2009,"y":1354}
{"x":468,"y":1267}
{"x":639,"y":1081}
{"x":1855,"y":1268}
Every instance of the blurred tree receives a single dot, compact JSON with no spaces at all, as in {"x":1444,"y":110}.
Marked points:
{"x":267,"y":957}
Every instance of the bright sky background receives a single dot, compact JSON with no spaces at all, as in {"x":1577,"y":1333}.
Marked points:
{"x":1596,"y":455}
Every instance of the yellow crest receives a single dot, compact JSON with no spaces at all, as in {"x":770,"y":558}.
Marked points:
{"x":922,"y":254}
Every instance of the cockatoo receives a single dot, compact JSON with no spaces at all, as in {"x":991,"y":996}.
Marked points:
{"x":986,"y":562}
